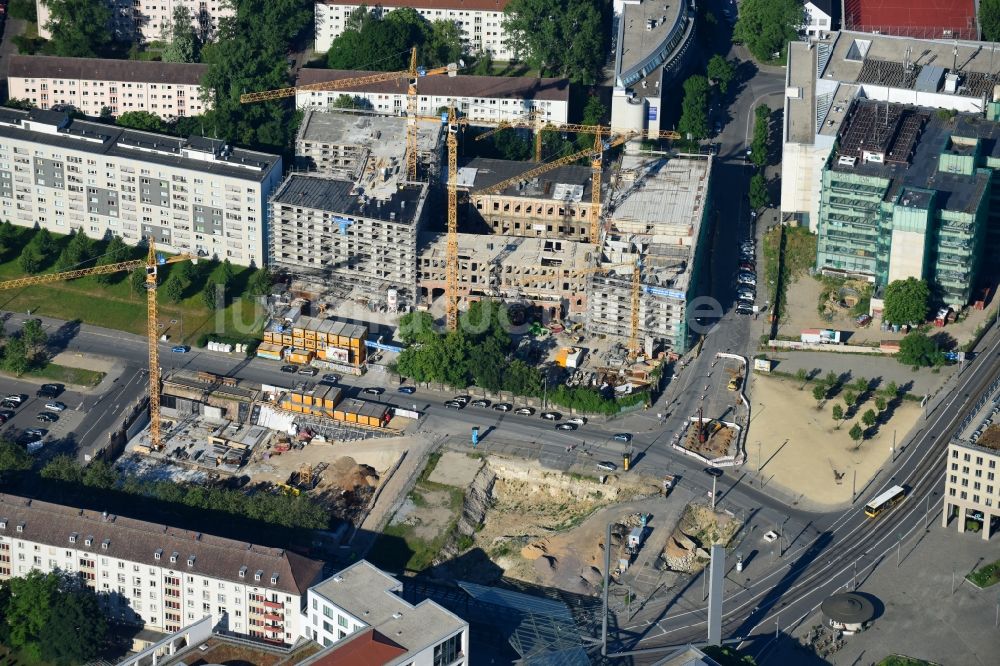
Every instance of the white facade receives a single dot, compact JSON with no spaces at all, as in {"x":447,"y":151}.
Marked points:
{"x":817,"y":20}
{"x":146,"y":18}
{"x":199,"y":196}
{"x":154,"y":576}
{"x":167,"y":90}
{"x":971,"y":485}
{"x":429,"y":634}
{"x":479,"y":20}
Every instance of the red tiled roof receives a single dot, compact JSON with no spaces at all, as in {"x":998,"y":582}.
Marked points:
{"x":510,"y":87}
{"x":471,"y":5}
{"x":366,"y":648}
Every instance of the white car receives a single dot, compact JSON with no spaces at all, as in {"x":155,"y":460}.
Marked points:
{"x":55,"y":406}
{"x":15,"y":398}
{"x":577,"y":420}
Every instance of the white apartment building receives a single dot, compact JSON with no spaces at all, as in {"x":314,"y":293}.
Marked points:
{"x":165,"y":89}
{"x":490,"y":98}
{"x":479,"y":20}
{"x":147,"y":19}
{"x":192,"y":195}
{"x":158,"y":576}
{"x":819,"y":17}
{"x":357,"y":609}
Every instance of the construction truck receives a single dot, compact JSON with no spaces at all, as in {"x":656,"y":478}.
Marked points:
{"x":668,"y":483}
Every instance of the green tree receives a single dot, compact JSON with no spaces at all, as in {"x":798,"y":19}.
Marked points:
{"x":721,"y":71}
{"x":173,"y":289}
{"x":861,"y":384}
{"x":831,"y":379}
{"x":183,"y":43}
{"x":137,"y":280}
{"x":76,"y":631}
{"x":346,"y":101}
{"x":851,"y":398}
{"x":522,"y":379}
{"x":891,"y":390}
{"x":44,"y":242}
{"x":766,"y":26}
{"x":819,"y":393}
{"x":989,"y":19}
{"x":759,"y":196}
{"x":99,"y":474}
{"x":918,"y":350}
{"x":559,"y":37}
{"x":142,"y":120}
{"x":34,"y":339}
{"x":906,"y":301}
{"x":416,"y":326}
{"x":62,"y":468}
{"x":487,"y":364}
{"x":484,"y":64}
{"x":510,"y":145}
{"x":856,"y":433}
{"x":444,"y":44}
{"x":115,"y":253}
{"x":880,"y":403}
{"x":869,"y":418}
{"x":15,"y":357}
{"x":78,"y":250}
{"x":260,"y":282}
{"x":226,"y":273}
{"x":594,"y":113}
{"x":210,"y":296}
{"x":380,"y":43}
{"x":79,"y":28}
{"x":694,"y":108}
{"x":13,"y":458}
{"x":838,"y":415}
{"x":802,"y":376}
{"x":24,"y":10}
{"x":759,"y":147}
{"x":30,"y":260}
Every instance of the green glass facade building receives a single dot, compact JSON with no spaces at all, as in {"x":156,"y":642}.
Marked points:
{"x":907,"y":192}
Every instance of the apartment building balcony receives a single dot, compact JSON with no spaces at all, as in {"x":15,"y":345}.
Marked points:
{"x":271,"y":617}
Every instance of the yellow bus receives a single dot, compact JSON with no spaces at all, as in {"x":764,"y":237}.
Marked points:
{"x":886,"y":500}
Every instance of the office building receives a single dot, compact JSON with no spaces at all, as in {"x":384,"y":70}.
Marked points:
{"x":194,"y":195}
{"x":165,"y":89}
{"x":147,"y":20}
{"x":157,"y":576}
{"x":480,"y":21}
{"x":825,"y":75}
{"x":906,"y":193}
{"x":489,"y":98}
{"x":360,"y":616}
{"x":548,"y":273}
{"x":972,"y":485}
{"x":657,"y":219}
{"x":653,"y":45}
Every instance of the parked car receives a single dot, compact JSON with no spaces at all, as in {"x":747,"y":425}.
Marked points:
{"x":623,"y":437}
{"x":408,"y":390}
{"x":9,"y":404}
{"x":482,"y":402}
{"x":752,"y":281}
{"x":180,"y":349}
{"x":577,"y":420}
{"x":525,"y":411}
{"x":566,"y":426}
{"x":770,"y":536}
{"x":746,"y":296}
{"x":289,"y":368}
{"x":747,"y":266}
{"x":607,"y":466}
{"x":734,"y":383}
{"x":330,"y":377}
{"x":36,"y":432}
{"x":14,"y":398}
{"x":713,"y":471}
{"x":464,"y":399}
{"x":55,"y":406}
{"x":3,"y":419}
{"x":743,"y":310}
{"x":453,"y":404}
{"x":7,"y":415}
{"x":374,"y":390}
{"x":503,"y":406}
{"x":49,"y":390}
{"x":309,"y":372}
{"x":47,"y":417}
{"x":551,"y":416}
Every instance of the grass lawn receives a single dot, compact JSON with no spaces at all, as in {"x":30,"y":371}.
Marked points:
{"x":54,"y":372}
{"x":116,"y":306}
{"x":900,"y":660}
{"x":986,"y":575}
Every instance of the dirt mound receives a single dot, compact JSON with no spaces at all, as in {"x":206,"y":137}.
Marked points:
{"x":347,"y":486}
{"x":699,"y":528}
{"x":534,"y":550}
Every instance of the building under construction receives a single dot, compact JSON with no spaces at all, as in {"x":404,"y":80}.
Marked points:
{"x":548,"y":273}
{"x":656,"y":219}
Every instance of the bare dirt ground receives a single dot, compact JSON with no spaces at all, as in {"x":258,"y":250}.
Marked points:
{"x":801,"y":312}
{"x":801,"y":450}
{"x":718,"y":439}
{"x":455,"y":469}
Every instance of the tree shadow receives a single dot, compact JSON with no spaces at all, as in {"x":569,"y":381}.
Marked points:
{"x":60,"y":338}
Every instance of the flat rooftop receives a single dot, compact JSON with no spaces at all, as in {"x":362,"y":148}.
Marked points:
{"x":369,"y":595}
{"x":899,"y":62}
{"x":912,"y":139}
{"x":331,"y":327}
{"x":55,"y":128}
{"x":801,"y":76}
{"x":225,"y":650}
{"x":517,"y":253}
{"x":385,"y":136}
{"x":638,"y":42}
{"x":401,"y":206}
{"x":564,"y":183}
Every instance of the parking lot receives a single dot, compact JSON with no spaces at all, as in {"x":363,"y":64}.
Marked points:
{"x":24,"y":417}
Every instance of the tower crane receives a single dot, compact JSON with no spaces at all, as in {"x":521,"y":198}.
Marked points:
{"x":414,"y":73}
{"x":152,"y":262}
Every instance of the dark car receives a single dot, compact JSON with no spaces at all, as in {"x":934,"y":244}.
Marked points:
{"x":9,"y":404}
{"x":289,"y":368}
{"x":551,"y":416}
{"x":47,"y":417}
{"x":49,"y":390}
{"x":7,"y":414}
{"x":713,"y":471}
{"x":408,"y":390}
{"x":747,"y":266}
